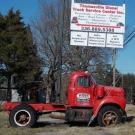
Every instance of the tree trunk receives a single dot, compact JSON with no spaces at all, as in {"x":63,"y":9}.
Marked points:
{"x":9,"y":88}
{"x":53,"y":93}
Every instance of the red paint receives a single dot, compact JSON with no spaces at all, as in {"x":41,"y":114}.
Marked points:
{"x":100,"y":26}
{"x":8,"y":106}
{"x":97,"y":96}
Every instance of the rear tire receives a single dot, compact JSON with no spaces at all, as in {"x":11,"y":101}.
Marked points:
{"x":109,"y":116}
{"x":22,"y":116}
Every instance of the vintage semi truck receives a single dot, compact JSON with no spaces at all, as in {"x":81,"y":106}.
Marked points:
{"x":86,"y":101}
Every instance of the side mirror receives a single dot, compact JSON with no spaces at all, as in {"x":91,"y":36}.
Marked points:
{"x":100,"y":92}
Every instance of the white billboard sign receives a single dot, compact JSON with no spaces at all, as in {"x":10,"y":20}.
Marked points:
{"x":96,"y":39}
{"x":98,"y":18}
{"x":114,"y":40}
{"x":79,"y":38}
{"x":101,"y":19}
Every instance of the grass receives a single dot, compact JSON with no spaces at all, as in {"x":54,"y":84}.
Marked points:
{"x":3,"y":120}
{"x":63,"y":129}
{"x":0,"y":107}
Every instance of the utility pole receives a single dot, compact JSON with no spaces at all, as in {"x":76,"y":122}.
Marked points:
{"x":122,"y":81}
{"x":114,"y":66}
{"x":131,"y":94}
{"x":59,"y":75}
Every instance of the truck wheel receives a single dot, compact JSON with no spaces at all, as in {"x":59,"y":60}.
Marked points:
{"x":22,"y":116}
{"x":109,"y":116}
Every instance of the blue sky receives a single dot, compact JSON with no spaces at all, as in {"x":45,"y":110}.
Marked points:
{"x":125,"y":57}
{"x":28,"y":8}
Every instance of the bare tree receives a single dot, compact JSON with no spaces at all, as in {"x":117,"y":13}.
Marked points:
{"x":46,"y":32}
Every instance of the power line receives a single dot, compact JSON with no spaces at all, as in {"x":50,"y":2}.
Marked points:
{"x":130,"y":37}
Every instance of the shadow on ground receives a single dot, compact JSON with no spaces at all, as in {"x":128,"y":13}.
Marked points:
{"x":130,"y":118}
{"x":50,"y":122}
{"x":57,"y":122}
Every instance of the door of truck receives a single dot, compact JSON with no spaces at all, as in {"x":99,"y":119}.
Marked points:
{"x":84,"y":91}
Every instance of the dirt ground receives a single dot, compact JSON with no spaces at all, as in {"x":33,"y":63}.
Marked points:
{"x":46,"y":126}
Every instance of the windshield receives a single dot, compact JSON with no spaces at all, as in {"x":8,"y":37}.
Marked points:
{"x":84,"y":81}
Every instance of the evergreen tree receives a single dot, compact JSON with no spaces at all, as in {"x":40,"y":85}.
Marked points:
{"x":17,"y":51}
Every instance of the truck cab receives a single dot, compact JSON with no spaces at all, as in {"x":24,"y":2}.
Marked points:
{"x":88,"y":100}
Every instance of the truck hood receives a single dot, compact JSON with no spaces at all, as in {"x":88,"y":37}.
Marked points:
{"x":113,"y":91}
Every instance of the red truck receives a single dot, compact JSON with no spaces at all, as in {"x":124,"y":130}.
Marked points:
{"x":86,"y":102}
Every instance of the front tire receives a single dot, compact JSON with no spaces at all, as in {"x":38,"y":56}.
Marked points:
{"x":109,"y":116}
{"x":22,"y":116}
